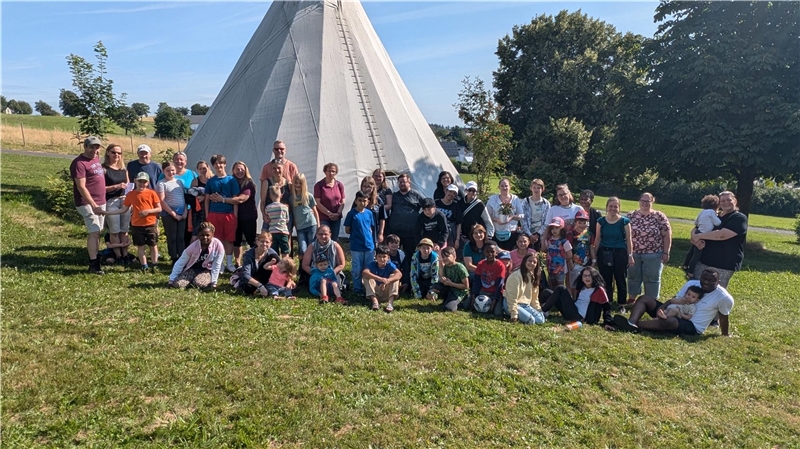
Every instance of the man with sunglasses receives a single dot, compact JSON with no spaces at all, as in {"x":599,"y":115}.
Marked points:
{"x":89,"y":193}
{"x":289,"y":169}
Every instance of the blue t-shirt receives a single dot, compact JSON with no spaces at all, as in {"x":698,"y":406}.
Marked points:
{"x":477,"y":256}
{"x":361,"y":225}
{"x":151,"y":168}
{"x":613,"y":235}
{"x":384,"y":272}
{"x":227,"y":187}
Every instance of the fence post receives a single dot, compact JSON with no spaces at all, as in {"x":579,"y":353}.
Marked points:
{"x":23,"y":134}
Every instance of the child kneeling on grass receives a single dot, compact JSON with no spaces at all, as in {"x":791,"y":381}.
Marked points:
{"x":382,"y":279}
{"x":146,"y":206}
{"x":453,"y":284}
{"x":424,"y":268}
{"x":323,"y":279}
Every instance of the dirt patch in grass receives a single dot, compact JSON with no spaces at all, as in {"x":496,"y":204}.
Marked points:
{"x":168,"y":418}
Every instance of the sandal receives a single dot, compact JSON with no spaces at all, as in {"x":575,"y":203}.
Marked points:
{"x":376,"y":305}
{"x":389,"y":308}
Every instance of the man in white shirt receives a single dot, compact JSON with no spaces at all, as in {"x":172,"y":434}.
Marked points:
{"x":716,"y":301}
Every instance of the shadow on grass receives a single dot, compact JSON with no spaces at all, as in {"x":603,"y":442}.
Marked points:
{"x":757,"y":257}
{"x":58,"y":260}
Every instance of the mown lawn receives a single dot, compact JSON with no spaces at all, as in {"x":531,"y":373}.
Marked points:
{"x":59,"y":123}
{"x":120,"y":361}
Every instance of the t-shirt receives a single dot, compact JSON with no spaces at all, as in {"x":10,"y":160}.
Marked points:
{"x":278,"y":278}
{"x":405,"y":209}
{"x":361,"y":225}
{"x":434,"y":227}
{"x":304,"y":215}
{"x":398,"y":257}
{"x":151,"y":168}
{"x":278,"y":214}
{"x":727,"y":254}
{"x":456,"y":273}
{"x":567,"y":213}
{"x":490,"y":274}
{"x":452,"y":212}
{"x":384,"y":194}
{"x":139,"y":201}
{"x":226,"y":186}
{"x":90,"y":169}
{"x":114,"y":177}
{"x":557,"y":255}
{"x":613,"y":235}
{"x":582,"y":303}
{"x":718,"y":301}
{"x":248,"y":209}
{"x":646,"y":231}
{"x":173,"y":195}
{"x":516,"y":259}
{"x":384,"y":272}
{"x":580,"y":247}
{"x":707,"y":220}
{"x":289,"y":170}
{"x":476,"y":255}
{"x":331,"y":197}
{"x":202,"y":258}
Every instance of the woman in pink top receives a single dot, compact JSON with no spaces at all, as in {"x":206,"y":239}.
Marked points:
{"x":651,"y":235}
{"x":329,"y":195}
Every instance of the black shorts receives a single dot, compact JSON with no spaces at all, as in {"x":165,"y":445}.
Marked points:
{"x":685,"y":327}
{"x":144,"y":235}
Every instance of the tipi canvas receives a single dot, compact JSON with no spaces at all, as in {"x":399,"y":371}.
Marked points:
{"x":316,"y":76}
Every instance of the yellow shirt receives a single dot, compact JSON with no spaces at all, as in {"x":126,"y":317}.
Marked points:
{"x":518,"y":292}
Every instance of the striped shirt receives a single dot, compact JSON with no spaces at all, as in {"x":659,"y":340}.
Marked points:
{"x":278,"y":214}
{"x":173,"y":194}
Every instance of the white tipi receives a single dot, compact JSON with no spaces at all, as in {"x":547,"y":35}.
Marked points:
{"x":316,"y":76}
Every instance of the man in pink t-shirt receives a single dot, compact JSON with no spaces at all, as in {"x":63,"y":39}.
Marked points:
{"x":89,"y":193}
{"x":289,"y":170}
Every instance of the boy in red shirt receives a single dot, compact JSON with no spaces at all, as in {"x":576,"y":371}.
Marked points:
{"x":488,"y":278}
{"x":146,"y":206}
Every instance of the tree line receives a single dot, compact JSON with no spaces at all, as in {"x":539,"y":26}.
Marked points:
{"x":713,"y":95}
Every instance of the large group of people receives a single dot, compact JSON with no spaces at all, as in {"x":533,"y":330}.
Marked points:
{"x":513,"y":257}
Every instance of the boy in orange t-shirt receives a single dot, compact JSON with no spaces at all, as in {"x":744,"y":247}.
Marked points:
{"x":146,"y":207}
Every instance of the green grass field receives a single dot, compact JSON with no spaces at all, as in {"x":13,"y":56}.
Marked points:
{"x":121,"y":361}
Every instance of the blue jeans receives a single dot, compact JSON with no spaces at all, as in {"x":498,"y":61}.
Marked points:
{"x":359,"y":261}
{"x":526,"y":313}
{"x":335,"y":226}
{"x":305,"y":237}
{"x":646,"y":270}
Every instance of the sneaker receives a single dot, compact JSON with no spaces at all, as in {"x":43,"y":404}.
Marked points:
{"x":341,"y":301}
{"x":323,"y":300}
{"x":144,"y":268}
{"x":623,"y":324}
{"x":231,"y":268}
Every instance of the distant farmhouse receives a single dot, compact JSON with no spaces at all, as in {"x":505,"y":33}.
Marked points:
{"x":455,"y":151}
{"x":195,"y":121}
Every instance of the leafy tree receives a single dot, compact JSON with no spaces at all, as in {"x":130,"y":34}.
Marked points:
{"x":70,"y":104}
{"x":128,"y":119}
{"x":199,"y":109}
{"x":141,"y":109}
{"x":490,"y":140}
{"x":559,"y":83}
{"x":44,"y":108}
{"x":171,"y":124}
{"x":3,"y":102}
{"x":722,"y":95}
{"x":95,"y":91}
{"x":182,"y":110}
{"x":20,"y":107}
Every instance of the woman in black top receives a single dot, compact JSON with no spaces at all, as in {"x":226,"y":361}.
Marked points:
{"x":445,"y":179}
{"x":247,"y":216}
{"x":384,"y":192}
{"x":116,"y":183}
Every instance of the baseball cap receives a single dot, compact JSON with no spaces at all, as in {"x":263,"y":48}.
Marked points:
{"x":425,"y":242}
{"x":581,"y":215}
{"x":144,"y":147}
{"x":472,"y":185}
{"x":142,"y":176}
{"x":452,"y":188}
{"x":557,"y":221}
{"x":92,"y":140}
{"x":504,"y":255}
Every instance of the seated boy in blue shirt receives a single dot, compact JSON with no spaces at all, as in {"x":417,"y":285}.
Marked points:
{"x":381,"y":280}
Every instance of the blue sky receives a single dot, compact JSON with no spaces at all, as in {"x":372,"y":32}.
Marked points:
{"x":182,"y":53}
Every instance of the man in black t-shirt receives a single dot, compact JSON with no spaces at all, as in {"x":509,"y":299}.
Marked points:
{"x":723,"y":248}
{"x":403,"y":219}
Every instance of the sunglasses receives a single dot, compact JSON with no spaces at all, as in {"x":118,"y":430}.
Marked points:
{"x":471,"y":190}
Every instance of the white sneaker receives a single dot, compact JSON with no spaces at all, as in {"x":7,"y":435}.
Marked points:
{"x":231,"y":268}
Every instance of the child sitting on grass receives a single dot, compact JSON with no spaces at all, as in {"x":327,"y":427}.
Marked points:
{"x":453,"y":282}
{"x":424,"y":268}
{"x":381,"y":280}
{"x":489,"y":278}
{"x":323,"y":279}
{"x":682,"y":307}
{"x":281,"y":281}
{"x":146,"y":206}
